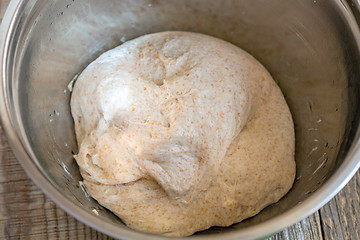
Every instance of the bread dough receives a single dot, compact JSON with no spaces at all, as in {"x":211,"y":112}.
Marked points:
{"x":179,"y":131}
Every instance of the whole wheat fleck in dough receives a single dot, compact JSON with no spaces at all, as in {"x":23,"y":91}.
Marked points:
{"x":179,"y":131}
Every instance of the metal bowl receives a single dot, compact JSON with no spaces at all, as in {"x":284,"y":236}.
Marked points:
{"x":311,"y":47}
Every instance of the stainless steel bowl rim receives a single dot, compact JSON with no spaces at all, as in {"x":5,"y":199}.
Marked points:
{"x":24,"y":155}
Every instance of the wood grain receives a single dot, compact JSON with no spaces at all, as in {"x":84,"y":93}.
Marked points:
{"x":341,"y":216}
{"x":308,"y":228}
{"x":26,"y":213}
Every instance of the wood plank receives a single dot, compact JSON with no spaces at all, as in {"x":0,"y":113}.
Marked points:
{"x":341,"y":216}
{"x":26,"y":213}
{"x":308,"y":228}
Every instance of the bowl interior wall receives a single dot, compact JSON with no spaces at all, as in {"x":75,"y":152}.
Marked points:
{"x":307,"y":46}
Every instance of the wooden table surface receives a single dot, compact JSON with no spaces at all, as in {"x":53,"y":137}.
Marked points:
{"x":26,"y":213}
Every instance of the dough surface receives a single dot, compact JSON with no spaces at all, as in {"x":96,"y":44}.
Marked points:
{"x":178,"y":132}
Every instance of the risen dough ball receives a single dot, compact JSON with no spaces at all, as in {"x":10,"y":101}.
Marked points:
{"x":178,"y":132}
